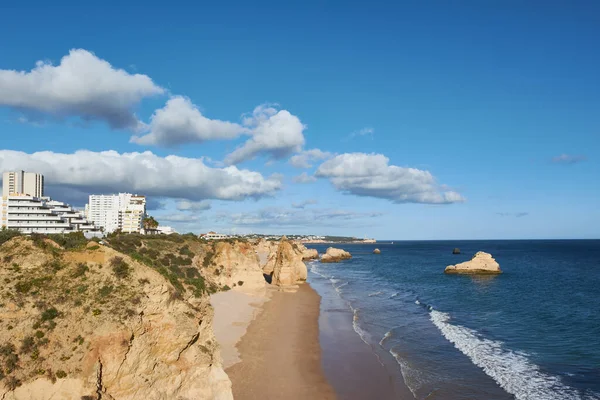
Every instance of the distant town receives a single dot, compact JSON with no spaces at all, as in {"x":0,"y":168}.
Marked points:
{"x":26,"y":208}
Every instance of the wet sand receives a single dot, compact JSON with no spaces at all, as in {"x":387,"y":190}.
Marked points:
{"x":281,"y":352}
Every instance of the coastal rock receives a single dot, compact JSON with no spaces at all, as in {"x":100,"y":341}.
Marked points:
{"x":102,"y":325}
{"x":376,"y":251}
{"x":481,"y":263}
{"x":231,"y":263}
{"x":288,"y":268}
{"x":307,"y":254}
{"x":335,"y":255}
{"x":456,"y":250}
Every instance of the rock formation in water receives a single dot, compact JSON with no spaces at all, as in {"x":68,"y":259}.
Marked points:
{"x":456,"y":250}
{"x":92,"y":322}
{"x":481,"y":263}
{"x":335,"y":255}
{"x":376,"y":251}
{"x":307,"y":254}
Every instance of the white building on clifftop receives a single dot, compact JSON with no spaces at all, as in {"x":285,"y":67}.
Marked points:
{"x":123,"y":211}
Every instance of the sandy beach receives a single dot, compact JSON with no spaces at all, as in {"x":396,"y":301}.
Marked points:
{"x":280,"y":352}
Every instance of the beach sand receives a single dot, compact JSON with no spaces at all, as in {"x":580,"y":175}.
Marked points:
{"x":281,"y":353}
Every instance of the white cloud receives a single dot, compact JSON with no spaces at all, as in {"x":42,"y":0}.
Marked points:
{"x":82,"y":85}
{"x":304,"y":203}
{"x":186,"y":218}
{"x":517,"y":215}
{"x":180,"y":121}
{"x":568,"y":159}
{"x":363,"y":132}
{"x":306,"y":158}
{"x":304,"y":178}
{"x":371,"y":175}
{"x":276,"y":134}
{"x":295,"y":218}
{"x":143,"y":173}
{"x":187,"y":205}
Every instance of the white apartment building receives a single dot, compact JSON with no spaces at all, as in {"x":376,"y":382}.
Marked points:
{"x":21,"y":182}
{"x":123,"y":211}
{"x":29,"y":214}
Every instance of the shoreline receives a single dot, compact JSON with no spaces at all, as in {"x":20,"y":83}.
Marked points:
{"x":280,"y":351}
{"x":295,"y":345}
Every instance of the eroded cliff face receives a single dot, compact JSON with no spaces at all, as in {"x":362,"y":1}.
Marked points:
{"x":288,"y":269}
{"x":96,"y":324}
{"x":234,"y":264}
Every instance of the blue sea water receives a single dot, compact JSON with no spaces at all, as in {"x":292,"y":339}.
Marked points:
{"x":532,"y":332}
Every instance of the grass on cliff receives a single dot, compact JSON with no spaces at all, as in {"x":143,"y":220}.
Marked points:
{"x":171,"y":255}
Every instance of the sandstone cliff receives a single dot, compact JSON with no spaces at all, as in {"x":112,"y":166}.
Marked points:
{"x":481,"y":263}
{"x":234,"y":264}
{"x":335,"y":255}
{"x":285,"y":265}
{"x":94,"y":323}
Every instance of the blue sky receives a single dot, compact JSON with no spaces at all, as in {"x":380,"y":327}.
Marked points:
{"x":437,"y":120}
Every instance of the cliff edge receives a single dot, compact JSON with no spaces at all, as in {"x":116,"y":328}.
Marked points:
{"x":86,"y":321}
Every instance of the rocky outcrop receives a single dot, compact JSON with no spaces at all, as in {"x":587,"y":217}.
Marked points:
{"x":481,"y":263}
{"x":456,"y":250}
{"x":229,"y":263}
{"x":307,"y":254}
{"x":94,"y":323}
{"x":376,"y":251}
{"x":335,"y":255}
{"x":288,"y":269}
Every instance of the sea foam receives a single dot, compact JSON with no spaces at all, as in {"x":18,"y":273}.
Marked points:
{"x":513,"y":371}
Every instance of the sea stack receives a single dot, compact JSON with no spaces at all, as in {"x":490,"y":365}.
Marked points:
{"x":481,"y":263}
{"x":456,"y":250}
{"x":376,"y":251}
{"x":335,"y":255}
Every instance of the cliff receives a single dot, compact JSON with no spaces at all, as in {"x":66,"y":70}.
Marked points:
{"x":481,"y":263}
{"x":234,"y":264}
{"x":86,"y":321}
{"x":285,"y":265}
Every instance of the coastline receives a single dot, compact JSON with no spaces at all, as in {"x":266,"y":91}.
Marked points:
{"x":295,"y":345}
{"x":280,"y":351}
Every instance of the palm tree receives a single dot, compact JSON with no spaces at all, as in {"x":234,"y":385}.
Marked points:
{"x":150,"y":223}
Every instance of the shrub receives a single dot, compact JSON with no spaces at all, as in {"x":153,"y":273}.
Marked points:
{"x":120,"y":267}
{"x":25,"y":286}
{"x":94,"y":247}
{"x":208,"y":258}
{"x":27,"y":345}
{"x":60,"y":374}
{"x":240,"y":283}
{"x":226,"y":288}
{"x":96,"y":312}
{"x":49,"y":314}
{"x":39,"y":334}
{"x":7,"y":234}
{"x":105,"y":290}
{"x":80,"y":270}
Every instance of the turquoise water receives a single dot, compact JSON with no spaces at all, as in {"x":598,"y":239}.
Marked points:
{"x":531,"y":333}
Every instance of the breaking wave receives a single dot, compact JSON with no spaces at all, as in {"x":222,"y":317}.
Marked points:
{"x":513,"y":371}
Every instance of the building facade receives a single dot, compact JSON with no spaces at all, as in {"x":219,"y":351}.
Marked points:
{"x":123,"y":211}
{"x":21,"y":182}
{"x":29,"y":214}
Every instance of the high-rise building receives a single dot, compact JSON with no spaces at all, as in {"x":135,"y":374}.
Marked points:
{"x":123,"y":211}
{"x":29,"y":214}
{"x":21,"y":182}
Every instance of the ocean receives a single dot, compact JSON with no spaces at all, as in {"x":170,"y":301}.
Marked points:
{"x":532,"y":332}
